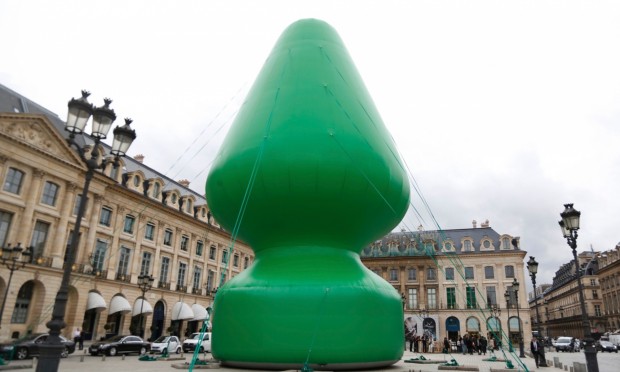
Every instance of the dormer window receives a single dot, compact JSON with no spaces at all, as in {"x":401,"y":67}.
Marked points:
{"x":156,"y":190}
{"x":467,"y":246}
{"x":188,"y":206}
{"x":173,"y":199}
{"x":136,"y":181}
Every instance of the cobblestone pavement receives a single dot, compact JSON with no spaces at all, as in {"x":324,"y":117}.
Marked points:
{"x":85,"y":363}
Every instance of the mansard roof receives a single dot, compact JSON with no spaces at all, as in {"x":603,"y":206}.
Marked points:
{"x":13,"y":102}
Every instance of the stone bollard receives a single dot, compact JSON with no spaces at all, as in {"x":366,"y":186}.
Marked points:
{"x":565,"y":367}
{"x":103,"y":358}
{"x":81,"y":358}
{"x":580,"y":367}
{"x":123,"y":357}
{"x":570,"y":369}
{"x":556,"y":362}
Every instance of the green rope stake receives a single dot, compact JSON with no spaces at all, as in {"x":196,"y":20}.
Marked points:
{"x":147,"y":358}
{"x":509,"y":365}
{"x":452,"y":363}
{"x":2,"y":362}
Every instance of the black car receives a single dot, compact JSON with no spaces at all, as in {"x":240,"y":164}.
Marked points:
{"x":603,"y":346}
{"x":120,"y":345}
{"x":29,"y":346}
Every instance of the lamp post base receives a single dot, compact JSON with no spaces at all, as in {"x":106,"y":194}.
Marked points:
{"x":590,"y":352}
{"x":49,"y":357}
{"x":521,"y":350}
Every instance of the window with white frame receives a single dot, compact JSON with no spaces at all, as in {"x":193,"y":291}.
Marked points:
{"x":412,"y":300}
{"x":163,"y":270}
{"x":5,"y":224}
{"x":123,"y":261}
{"x":168,"y":237}
{"x":489,"y":272}
{"x":212,"y":252}
{"x":50,"y":193}
{"x":197,"y":277}
{"x":129,"y":224}
{"x":181,"y":274}
{"x":431,"y":297}
{"x":145,"y":266}
{"x":39,"y":237}
{"x":13,"y":181}
{"x":149,"y":231}
{"x":199,"y":248}
{"x":105,"y":216}
{"x":184,"y":243}
{"x":412,"y":274}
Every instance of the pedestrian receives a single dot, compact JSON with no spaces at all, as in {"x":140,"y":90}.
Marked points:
{"x":459,"y":344}
{"x":464,"y":344}
{"x":483,"y":345}
{"x":535,"y":346}
{"x":77,"y":334}
{"x":81,"y":346}
{"x":446,"y":345}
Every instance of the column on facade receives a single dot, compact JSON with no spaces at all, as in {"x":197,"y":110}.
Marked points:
{"x":136,"y":261}
{"x":60,"y":237}
{"x":114,"y":247}
{"x":422,"y":291}
{"x":31,"y":196}
{"x":92,"y":230}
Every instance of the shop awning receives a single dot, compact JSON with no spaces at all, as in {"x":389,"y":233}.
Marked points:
{"x":182,"y":311}
{"x":95,"y":301}
{"x":200,"y":313}
{"x":119,"y":304}
{"x":141,"y":306}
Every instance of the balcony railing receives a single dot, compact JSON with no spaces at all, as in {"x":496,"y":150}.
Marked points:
{"x":163,"y":285}
{"x":181,"y":288}
{"x":197,"y":291}
{"x":42,"y":261}
{"x":122,"y":277}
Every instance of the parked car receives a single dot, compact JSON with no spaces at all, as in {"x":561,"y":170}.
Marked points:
{"x":169,"y":344}
{"x":190,"y":343}
{"x":120,"y":345}
{"x":29,"y":346}
{"x":603,"y":346}
{"x":564,"y":344}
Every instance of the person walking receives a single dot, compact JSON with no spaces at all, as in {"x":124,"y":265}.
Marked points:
{"x":464,"y":344}
{"x":446,"y":345}
{"x":483,"y":345}
{"x":77,"y":336}
{"x":535,"y":346}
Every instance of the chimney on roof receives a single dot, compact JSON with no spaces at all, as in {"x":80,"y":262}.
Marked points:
{"x":139,"y":158}
{"x":474,"y":223}
{"x":485,"y":224}
{"x":184,"y":183}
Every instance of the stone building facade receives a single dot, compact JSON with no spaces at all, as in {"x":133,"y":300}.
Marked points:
{"x":137,"y":222}
{"x":451,"y":280}
{"x":609,"y":277}
{"x":560,"y":305}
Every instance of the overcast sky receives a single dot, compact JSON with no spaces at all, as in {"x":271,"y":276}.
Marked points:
{"x":502,"y":110}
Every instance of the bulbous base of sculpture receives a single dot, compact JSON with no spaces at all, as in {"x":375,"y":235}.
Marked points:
{"x":313,"y":306}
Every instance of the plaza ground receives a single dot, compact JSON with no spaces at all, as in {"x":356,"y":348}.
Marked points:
{"x":608,"y":362}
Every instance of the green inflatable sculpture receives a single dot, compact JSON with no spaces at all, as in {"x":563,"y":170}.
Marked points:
{"x":308,"y":175}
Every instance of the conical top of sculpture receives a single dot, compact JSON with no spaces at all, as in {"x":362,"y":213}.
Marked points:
{"x":308,"y":152}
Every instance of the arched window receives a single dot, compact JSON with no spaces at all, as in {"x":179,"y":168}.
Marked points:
{"x":472,"y":324}
{"x":22,"y":303}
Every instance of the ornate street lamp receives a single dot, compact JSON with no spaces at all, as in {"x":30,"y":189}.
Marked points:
{"x":145,"y":283}
{"x":80,"y":110}
{"x":507,"y":297}
{"x":532,"y":267}
{"x":495,"y":312}
{"x":515,"y":288}
{"x":13,"y":259}
{"x":569,"y":226}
